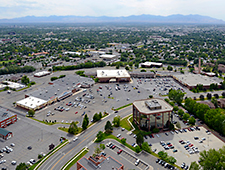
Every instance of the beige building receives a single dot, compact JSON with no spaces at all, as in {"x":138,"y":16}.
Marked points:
{"x":152,"y":113}
{"x":108,"y":76}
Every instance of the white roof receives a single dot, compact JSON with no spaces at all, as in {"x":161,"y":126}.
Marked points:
{"x":107,"y":56}
{"x":151,"y":63}
{"x":112,"y":73}
{"x":70,"y":52}
{"x":31,"y":102}
{"x":42,"y":73}
{"x":194,"y":79}
{"x":14,"y":85}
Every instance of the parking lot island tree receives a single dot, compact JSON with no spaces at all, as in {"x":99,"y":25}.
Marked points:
{"x":102,"y":146}
{"x":73,"y":129}
{"x":186,"y":116}
{"x":85,"y":122}
{"x":100,"y":136}
{"x":108,"y":127}
{"x":191,"y":120}
{"x":21,"y":166}
{"x":116,"y":121}
{"x":146,"y":147}
{"x":139,"y":139}
{"x":137,"y":149}
{"x":123,"y":141}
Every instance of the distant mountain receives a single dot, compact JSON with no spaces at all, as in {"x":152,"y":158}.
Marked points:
{"x":186,"y":19}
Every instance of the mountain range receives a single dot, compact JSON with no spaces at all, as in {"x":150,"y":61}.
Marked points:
{"x":184,"y":19}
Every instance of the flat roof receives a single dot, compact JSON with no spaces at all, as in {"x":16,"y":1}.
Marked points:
{"x":107,"y":56}
{"x":31,"y":102}
{"x":5,"y":114}
{"x":14,"y":85}
{"x":42,"y":73}
{"x":194,"y":79}
{"x":108,"y":163}
{"x":112,"y":73}
{"x":151,"y":63}
{"x":141,"y":106}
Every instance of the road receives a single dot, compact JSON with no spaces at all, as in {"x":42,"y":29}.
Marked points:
{"x":60,"y":158}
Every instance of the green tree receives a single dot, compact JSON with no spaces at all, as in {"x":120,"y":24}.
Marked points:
{"x":180,"y":112}
{"x":170,"y":68}
{"x":108,"y":127}
{"x":85,"y":122}
{"x":116,"y":121}
{"x":212,"y":159}
{"x":146,"y":147}
{"x":102,"y":146}
{"x":191,"y":120}
{"x":96,"y":117}
{"x":100,"y":136}
{"x":31,"y":113}
{"x":194,"y":166}
{"x":176,"y":95}
{"x":25,"y":80}
{"x":73,"y":129}
{"x":186,"y":116}
{"x":175,"y":108}
{"x":139,"y":139}
{"x":123,"y":140}
{"x":97,"y":150}
{"x":137,"y":149}
{"x":171,"y":160}
{"x":209,"y":96}
{"x":21,"y":166}
{"x":214,"y":101}
{"x":127,"y":67}
{"x":163,"y":155}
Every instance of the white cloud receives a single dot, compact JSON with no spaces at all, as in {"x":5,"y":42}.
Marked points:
{"x":18,"y":8}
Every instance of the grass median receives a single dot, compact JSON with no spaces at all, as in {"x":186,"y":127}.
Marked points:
{"x":69,"y":164}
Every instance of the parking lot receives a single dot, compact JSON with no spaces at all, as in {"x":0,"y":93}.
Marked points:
{"x":28,"y":133}
{"x":196,"y":141}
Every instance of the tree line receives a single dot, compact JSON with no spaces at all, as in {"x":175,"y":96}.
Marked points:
{"x":16,"y":69}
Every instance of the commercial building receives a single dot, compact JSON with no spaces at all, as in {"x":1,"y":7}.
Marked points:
{"x":56,"y":91}
{"x":108,"y":76}
{"x":192,"y":80}
{"x":152,"y":113}
{"x":13,"y":85}
{"x":151,"y":64}
{"x":42,"y":73}
{"x":108,"y":57}
{"x":147,"y":74}
{"x":99,"y":162}
{"x":7,"y":117}
{"x":5,"y":134}
{"x":31,"y":103}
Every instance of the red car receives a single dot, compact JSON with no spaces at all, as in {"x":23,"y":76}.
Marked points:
{"x":152,"y":135}
{"x":170,"y":145}
{"x":181,"y":141}
{"x":190,"y":145}
{"x":76,"y":112}
{"x":119,"y":151}
{"x":113,"y":146}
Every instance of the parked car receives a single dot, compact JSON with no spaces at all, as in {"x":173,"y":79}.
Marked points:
{"x":118,"y":152}
{"x":137,"y":162}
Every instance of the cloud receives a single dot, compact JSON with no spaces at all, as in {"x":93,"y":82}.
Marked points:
{"x":18,"y":8}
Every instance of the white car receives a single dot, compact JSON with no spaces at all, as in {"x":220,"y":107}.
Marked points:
{"x":75,"y":138}
{"x":32,"y":161}
{"x":13,"y":162}
{"x":137,"y":162}
{"x":12,"y":144}
{"x":118,"y":135}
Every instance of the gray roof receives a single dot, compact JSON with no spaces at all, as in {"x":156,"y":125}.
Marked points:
{"x":4,"y":132}
{"x":142,"y":107}
{"x":5,"y":114}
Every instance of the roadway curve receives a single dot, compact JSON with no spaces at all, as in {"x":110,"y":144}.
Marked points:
{"x":60,"y":158}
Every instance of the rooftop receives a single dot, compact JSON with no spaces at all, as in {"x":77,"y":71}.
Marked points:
{"x":194,"y":79}
{"x":5,"y":114}
{"x":31,"y":102}
{"x":151,"y":106}
{"x":107,"y":56}
{"x":112,"y":73}
{"x":151,"y":63}
{"x":108,"y":163}
{"x":42,"y":73}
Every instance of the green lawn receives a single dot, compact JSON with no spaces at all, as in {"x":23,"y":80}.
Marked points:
{"x":125,"y":124}
{"x":75,"y":160}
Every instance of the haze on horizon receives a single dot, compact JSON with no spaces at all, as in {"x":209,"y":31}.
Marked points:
{"x":20,"y":8}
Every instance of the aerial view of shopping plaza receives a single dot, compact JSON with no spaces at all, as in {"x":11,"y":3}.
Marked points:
{"x":154,"y":103}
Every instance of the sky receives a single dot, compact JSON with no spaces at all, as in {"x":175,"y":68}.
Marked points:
{"x":20,"y":8}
